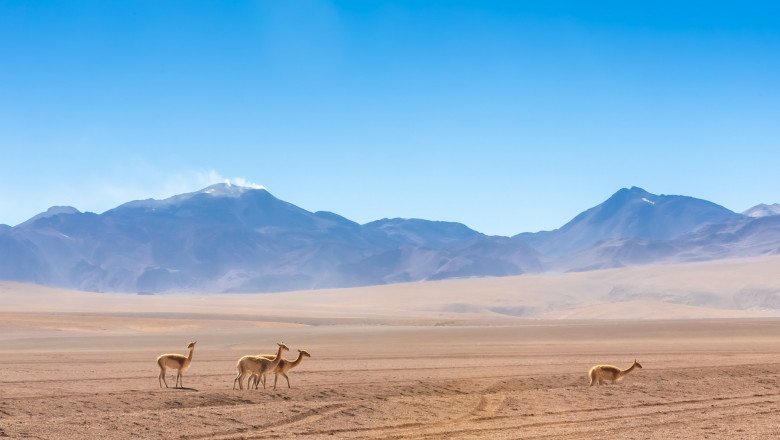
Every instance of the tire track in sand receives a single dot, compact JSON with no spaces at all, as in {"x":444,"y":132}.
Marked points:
{"x":310,"y":416}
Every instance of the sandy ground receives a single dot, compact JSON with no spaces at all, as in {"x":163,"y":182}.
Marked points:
{"x":453,"y":359}
{"x":91,"y":379}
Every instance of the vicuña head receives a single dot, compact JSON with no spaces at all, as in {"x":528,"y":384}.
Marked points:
{"x":609,"y":373}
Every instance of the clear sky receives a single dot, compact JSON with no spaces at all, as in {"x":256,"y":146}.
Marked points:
{"x":507,"y":116}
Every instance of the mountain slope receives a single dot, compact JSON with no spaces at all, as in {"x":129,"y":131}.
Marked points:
{"x":212,"y":239}
{"x":629,"y":214}
{"x":738,"y":238}
{"x":425,"y":233}
{"x":763,"y":210}
{"x":735,"y":238}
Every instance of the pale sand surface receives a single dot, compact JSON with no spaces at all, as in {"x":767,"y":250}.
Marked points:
{"x":720,"y":289}
{"x":701,"y":379}
{"x":413,"y":361}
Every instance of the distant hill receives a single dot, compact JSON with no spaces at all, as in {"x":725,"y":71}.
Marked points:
{"x":630,"y":214}
{"x":226,"y":238}
{"x":54,"y":210}
{"x":424,"y":233}
{"x":763,"y":210}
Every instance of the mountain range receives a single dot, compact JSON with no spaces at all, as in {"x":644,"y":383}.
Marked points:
{"x":227,"y":238}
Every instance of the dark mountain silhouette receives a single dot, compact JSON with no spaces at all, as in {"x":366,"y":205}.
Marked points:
{"x":233,"y":239}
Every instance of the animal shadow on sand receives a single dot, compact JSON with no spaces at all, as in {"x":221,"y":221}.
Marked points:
{"x":185,"y":389}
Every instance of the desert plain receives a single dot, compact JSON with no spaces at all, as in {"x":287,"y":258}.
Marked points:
{"x":498,"y":358}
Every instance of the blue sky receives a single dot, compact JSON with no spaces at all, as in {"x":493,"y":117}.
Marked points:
{"x":507,"y":116}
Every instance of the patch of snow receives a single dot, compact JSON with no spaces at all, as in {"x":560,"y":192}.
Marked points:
{"x":648,"y":201}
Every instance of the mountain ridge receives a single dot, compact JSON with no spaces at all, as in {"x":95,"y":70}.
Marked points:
{"x":226,"y":238}
{"x":629,"y":213}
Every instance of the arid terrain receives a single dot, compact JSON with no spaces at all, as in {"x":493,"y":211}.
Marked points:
{"x":82,"y":365}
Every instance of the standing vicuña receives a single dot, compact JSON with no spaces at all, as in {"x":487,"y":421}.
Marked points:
{"x":177,"y":362}
{"x":284,"y":366}
{"x":249,"y":365}
{"x":604,"y":373}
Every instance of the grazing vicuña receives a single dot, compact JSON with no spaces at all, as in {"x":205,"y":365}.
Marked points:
{"x":603,"y":373}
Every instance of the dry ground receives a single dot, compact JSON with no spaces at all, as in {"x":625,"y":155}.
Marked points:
{"x":74,"y":376}
{"x":449,"y":359}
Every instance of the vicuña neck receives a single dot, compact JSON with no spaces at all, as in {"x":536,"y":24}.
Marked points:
{"x":297,"y":361}
{"x":278,"y":356}
{"x":627,"y":370}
